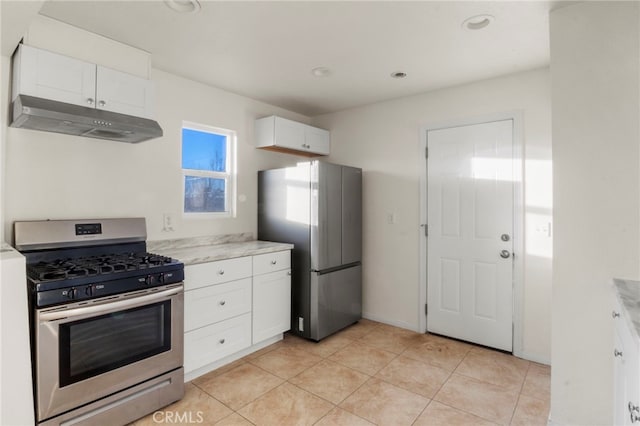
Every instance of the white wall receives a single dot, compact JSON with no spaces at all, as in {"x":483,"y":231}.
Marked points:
{"x":595,"y":97}
{"x":53,"y":176}
{"x":384,"y":139}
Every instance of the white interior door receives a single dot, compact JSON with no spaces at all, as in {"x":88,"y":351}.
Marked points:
{"x":470,"y":210}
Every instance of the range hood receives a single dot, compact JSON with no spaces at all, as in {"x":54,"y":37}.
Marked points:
{"x":52,"y":116}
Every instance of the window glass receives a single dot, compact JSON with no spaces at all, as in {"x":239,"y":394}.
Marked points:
{"x":204,"y":151}
{"x":203,"y":194}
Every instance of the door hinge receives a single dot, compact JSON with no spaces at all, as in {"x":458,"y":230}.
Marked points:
{"x":426,"y":310}
{"x":426,"y":152}
{"x":426,"y":229}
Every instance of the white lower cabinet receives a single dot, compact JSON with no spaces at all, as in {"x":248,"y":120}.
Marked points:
{"x":233,"y":306}
{"x":271,"y":304}
{"x":626,"y":359}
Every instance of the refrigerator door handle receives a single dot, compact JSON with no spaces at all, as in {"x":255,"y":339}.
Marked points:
{"x":335,"y":268}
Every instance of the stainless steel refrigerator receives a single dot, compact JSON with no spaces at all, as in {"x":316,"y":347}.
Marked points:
{"x":317,"y":206}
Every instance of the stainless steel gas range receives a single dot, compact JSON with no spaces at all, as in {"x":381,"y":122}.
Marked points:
{"x":106,"y":322}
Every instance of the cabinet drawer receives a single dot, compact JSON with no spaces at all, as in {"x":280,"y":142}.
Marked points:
{"x":206,"y":305}
{"x":221,"y":271}
{"x":271,"y":262}
{"x":211,"y":343}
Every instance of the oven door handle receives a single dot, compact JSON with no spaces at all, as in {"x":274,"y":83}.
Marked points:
{"x":111,"y":306}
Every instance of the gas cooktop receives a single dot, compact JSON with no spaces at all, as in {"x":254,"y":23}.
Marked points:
{"x":69,"y":261}
{"x":69,"y":268}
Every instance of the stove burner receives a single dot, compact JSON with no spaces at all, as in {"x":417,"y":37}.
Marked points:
{"x":61,"y":269}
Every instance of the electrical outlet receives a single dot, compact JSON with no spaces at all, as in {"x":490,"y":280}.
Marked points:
{"x":167,"y":222}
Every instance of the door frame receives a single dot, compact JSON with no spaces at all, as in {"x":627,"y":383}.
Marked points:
{"x":518,"y":216}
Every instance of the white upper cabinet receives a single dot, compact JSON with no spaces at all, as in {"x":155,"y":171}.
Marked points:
{"x":125,"y":93}
{"x":44,"y":74}
{"x":48,"y":75}
{"x":279,"y":134}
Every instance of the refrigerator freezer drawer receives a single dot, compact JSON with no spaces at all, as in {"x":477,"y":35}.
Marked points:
{"x":336,"y":301}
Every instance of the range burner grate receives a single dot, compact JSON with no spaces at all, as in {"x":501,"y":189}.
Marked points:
{"x":61,"y":269}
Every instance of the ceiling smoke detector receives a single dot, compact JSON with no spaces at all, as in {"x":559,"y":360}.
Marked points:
{"x":183,"y":6}
{"x":321,"y":72}
{"x":477,"y":22}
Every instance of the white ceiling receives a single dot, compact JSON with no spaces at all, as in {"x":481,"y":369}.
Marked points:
{"x":266,"y":50}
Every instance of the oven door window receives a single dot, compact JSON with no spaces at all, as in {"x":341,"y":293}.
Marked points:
{"x":96,"y":345}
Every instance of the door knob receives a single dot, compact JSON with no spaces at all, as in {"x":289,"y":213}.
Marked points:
{"x":505,"y":237}
{"x":505,"y":254}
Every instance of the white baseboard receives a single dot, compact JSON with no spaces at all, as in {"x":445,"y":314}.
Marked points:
{"x":533,"y":357}
{"x":552,"y":423}
{"x":395,"y":323}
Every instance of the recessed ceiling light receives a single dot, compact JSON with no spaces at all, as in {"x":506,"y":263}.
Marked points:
{"x":183,"y":6}
{"x":321,"y":72}
{"x":398,"y":74}
{"x":477,"y":22}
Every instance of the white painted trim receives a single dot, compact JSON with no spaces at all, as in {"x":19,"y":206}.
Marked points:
{"x":396,"y":323}
{"x":518,"y":215}
{"x":535,"y":358}
{"x":550,"y":422}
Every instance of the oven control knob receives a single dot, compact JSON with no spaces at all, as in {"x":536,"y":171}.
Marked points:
{"x":72,"y":293}
{"x":161,"y":278}
{"x":148,"y":280}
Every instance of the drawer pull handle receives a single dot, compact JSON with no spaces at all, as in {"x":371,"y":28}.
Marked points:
{"x":222,"y":303}
{"x":615,"y":314}
{"x":633,"y":408}
{"x":617,"y":352}
{"x":273,"y":262}
{"x":221,"y":272}
{"x":221,"y":341}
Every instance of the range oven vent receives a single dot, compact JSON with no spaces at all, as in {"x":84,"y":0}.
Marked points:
{"x":34,"y":113}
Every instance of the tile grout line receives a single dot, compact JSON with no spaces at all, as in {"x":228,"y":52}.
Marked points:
{"x":328,"y":352}
{"x":515,"y":407}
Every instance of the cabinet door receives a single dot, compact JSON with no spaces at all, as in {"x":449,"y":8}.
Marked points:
{"x":316,"y":140}
{"x":289,"y":134}
{"x":45,"y":74}
{"x":626,"y":372}
{"x":124,"y":93}
{"x":631,"y":359}
{"x":271,"y":304}
{"x":620,"y":411}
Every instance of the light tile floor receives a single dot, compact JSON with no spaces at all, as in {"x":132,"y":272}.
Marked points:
{"x":369,"y":373}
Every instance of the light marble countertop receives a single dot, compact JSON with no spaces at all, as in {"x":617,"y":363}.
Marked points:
{"x":190,"y":255}
{"x":628,"y":293}
{"x":7,"y":251}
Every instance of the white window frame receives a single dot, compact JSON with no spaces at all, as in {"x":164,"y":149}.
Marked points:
{"x":229,"y":177}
